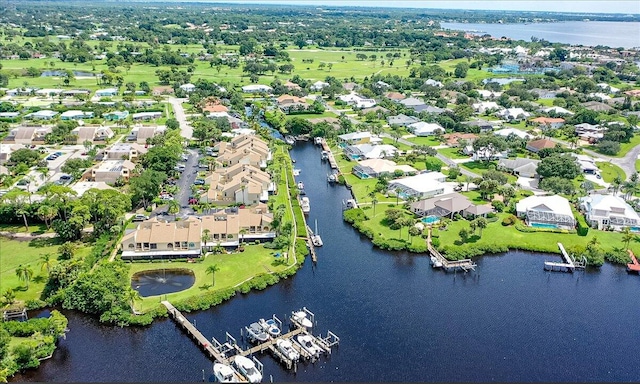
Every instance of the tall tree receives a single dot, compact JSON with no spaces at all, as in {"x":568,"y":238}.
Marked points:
{"x":211,"y":270}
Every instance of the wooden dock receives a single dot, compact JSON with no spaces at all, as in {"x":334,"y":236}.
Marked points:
{"x":332,"y":160}
{"x":634,"y":266}
{"x":569,"y":264}
{"x":447,"y":265}
{"x":12,"y":314}
{"x":312,"y":248}
{"x":225,"y":352}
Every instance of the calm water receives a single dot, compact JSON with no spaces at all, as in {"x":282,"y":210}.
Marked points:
{"x":592,"y":33}
{"x":160,"y":282}
{"x":398,"y":319}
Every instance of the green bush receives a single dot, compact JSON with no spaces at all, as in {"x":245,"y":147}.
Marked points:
{"x":582,"y":226}
{"x":509,"y":220}
{"x":498,"y":205}
{"x":617,"y":256}
{"x":354,"y":215}
{"x":435,"y":242}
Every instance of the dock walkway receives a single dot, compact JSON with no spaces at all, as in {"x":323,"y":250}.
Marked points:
{"x":634,"y":266}
{"x":332,"y":160}
{"x":312,"y":248}
{"x":569,"y":264}
{"x":442,"y":262}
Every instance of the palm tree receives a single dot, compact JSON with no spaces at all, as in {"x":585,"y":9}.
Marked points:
{"x":206,"y":236}
{"x":211,"y":270}
{"x":46,"y":262}
{"x":482,"y":224}
{"x":132,"y":296}
{"x":473,"y":225}
{"x":627,"y":237}
{"x":24,"y":274}
{"x":397,"y":190}
{"x":173,"y":207}
{"x":9,"y":296}
{"x":374,"y":201}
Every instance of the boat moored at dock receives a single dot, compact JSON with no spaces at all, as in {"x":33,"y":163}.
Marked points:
{"x":305,"y":205}
{"x":224,"y":373}
{"x":247,"y":368}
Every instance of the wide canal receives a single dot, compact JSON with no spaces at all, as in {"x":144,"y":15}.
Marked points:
{"x":398,"y":319}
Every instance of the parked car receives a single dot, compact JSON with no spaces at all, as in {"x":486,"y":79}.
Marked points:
{"x":58,"y":153}
{"x":199,"y":182}
{"x":193,"y":200}
{"x":140,"y":217}
{"x":52,"y":157}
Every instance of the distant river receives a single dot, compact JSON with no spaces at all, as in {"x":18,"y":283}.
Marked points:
{"x":398,"y":318}
{"x":591,"y":33}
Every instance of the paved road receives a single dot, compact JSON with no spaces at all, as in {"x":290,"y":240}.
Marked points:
{"x":185,"y":128}
{"x":186,"y":180}
{"x":627,"y":163}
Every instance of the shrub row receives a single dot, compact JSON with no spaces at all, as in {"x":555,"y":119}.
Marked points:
{"x":582,"y":226}
{"x":526,"y":229}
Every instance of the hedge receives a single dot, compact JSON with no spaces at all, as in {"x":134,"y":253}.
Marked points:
{"x":583,"y":227}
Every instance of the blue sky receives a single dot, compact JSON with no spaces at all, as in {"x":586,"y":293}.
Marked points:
{"x":601,"y":6}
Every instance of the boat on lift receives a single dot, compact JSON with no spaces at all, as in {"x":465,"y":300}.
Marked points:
{"x":270,"y":327}
{"x":224,"y":373}
{"x":247,"y":368}
{"x":286,"y":347}
{"x":290,"y":140}
{"x":317,"y":140}
{"x":325,"y":155}
{"x":301,"y":318}
{"x":332,"y":178}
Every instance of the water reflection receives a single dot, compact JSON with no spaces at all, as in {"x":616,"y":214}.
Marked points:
{"x":162,"y":281}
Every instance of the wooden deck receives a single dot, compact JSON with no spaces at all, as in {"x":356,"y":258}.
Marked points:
{"x":312,"y":248}
{"x":447,"y":265}
{"x":634,"y":266}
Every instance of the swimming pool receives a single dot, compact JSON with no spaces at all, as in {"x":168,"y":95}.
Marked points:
{"x":544,"y":225}
{"x":430,"y":219}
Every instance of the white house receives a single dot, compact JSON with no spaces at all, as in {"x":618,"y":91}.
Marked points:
{"x":107,"y":92}
{"x":188,"y":88}
{"x":484,"y":106}
{"x":359,"y":138}
{"x":423,"y":185}
{"x":486,"y":94}
{"x":75,"y":115}
{"x":434,"y":83}
{"x":368,"y":151}
{"x":505,"y":132}
{"x":319,"y":86}
{"x":603,"y":211}
{"x":357,"y":100}
{"x":546,"y":212}
{"x":44,"y":114}
{"x":557,"y":110}
{"x":146,"y":115}
{"x":257,"y":88}
{"x":425,"y":129}
{"x":513,"y":114}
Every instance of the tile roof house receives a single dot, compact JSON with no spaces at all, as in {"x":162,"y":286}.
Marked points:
{"x":520,"y":166}
{"x":109,"y":171}
{"x":91,"y":133}
{"x":122,"y":151}
{"x":448,"y":205}
{"x":604,"y":211}
{"x":140,"y":133}
{"x":597,"y":106}
{"x":538,"y":145}
{"x":402,"y":120}
{"x":27,"y":135}
{"x":395,"y":96}
{"x":183,"y":239}
{"x":452,"y":139}
{"x":240,"y":183}
{"x":551,"y":122}
{"x":288,"y":103}
{"x":546,"y":211}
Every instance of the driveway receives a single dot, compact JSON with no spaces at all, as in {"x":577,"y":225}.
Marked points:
{"x":185,"y":128}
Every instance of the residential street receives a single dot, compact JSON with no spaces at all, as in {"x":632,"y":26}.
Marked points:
{"x":185,"y":128}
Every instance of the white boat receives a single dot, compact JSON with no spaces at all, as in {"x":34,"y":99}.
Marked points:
{"x":305,"y":205}
{"x":315,"y":238}
{"x":270,"y":327}
{"x":247,"y":368}
{"x":308,"y":344}
{"x":332,"y":178}
{"x":301,"y":318}
{"x":296,"y":172}
{"x":351,"y":203}
{"x":286,"y":347}
{"x":317,"y":140}
{"x":256,"y":333}
{"x":325,"y":155}
{"x":435,"y":263}
{"x":300,"y":185}
{"x":224,"y":373}
{"x":290,"y":140}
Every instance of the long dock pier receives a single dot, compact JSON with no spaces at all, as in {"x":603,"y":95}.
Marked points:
{"x":226,"y":352}
{"x":332,"y":160}
{"x":312,"y":248}
{"x":569,"y":264}
{"x":439,"y":261}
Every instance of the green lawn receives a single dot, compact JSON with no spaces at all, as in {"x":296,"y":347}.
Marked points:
{"x":312,"y":115}
{"x":496,"y":233}
{"x":610,"y":171}
{"x":626,"y":147}
{"x":638,"y":165}
{"x":452,"y":153}
{"x":399,"y":145}
{"x":27,"y":253}
{"x":234,"y":269}
{"x":424,"y":140}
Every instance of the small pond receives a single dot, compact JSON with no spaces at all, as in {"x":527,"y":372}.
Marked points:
{"x":162,"y":281}
{"x":57,"y":73}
